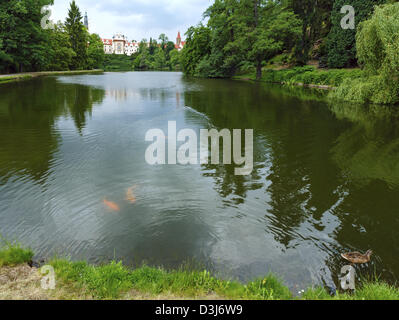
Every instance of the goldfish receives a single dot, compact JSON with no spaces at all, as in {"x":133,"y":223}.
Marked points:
{"x":111,"y":205}
{"x":130,"y":195}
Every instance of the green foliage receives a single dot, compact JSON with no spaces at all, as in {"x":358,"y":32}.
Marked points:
{"x":196,"y":49}
{"x":316,"y":23}
{"x":239,"y":34}
{"x":12,"y":254}
{"x":378,"y":42}
{"x":95,"y":52}
{"x":175,"y":60}
{"x":26,"y":46}
{"x":60,"y":53}
{"x":154,"y":56}
{"x":378,"y":51}
{"x":342,"y":43}
{"x":23,"y":44}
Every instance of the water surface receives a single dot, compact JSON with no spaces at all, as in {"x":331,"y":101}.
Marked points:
{"x":325,"y":180}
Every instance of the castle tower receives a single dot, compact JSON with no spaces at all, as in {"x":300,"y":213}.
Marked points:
{"x":86,"y":21}
{"x":178,"y":39}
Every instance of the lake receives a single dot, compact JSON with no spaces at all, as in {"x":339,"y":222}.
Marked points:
{"x":325,"y":178}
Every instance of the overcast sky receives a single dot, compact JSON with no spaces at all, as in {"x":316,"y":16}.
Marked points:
{"x":137,"y":19}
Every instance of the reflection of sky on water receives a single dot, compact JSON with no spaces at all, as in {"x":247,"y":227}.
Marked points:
{"x":308,"y":199}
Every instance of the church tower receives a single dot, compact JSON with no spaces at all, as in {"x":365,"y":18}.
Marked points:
{"x":86,"y":21}
{"x":178,"y":39}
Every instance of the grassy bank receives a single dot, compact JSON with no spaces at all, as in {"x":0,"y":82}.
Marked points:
{"x":307,"y":76}
{"x":7,"y":78}
{"x":79,"y":280}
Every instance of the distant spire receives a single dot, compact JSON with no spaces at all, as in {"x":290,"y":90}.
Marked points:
{"x":86,"y":21}
{"x":178,"y":40}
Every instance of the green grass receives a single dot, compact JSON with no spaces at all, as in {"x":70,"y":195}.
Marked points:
{"x":12,"y":254}
{"x":114,"y":281}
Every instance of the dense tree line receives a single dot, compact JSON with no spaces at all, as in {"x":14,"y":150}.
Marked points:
{"x":239,"y":34}
{"x":26,"y":46}
{"x":157,"y":55}
{"x":152,"y":55}
{"x":242,"y":35}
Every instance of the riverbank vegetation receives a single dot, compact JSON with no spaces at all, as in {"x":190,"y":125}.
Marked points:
{"x":79,"y":280}
{"x":248,"y":38}
{"x":27,"y":46}
{"x":307,"y":75}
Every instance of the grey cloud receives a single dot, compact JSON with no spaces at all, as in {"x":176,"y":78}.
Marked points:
{"x":156,"y":16}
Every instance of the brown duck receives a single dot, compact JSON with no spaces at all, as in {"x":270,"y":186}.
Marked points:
{"x":357,"y":257}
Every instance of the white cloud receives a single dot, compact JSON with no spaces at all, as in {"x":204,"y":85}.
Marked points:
{"x":137,"y":19}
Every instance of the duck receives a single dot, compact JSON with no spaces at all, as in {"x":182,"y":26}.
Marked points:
{"x":357,"y":257}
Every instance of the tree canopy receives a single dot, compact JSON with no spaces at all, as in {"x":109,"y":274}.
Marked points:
{"x":243,"y":35}
{"x":26,"y":46}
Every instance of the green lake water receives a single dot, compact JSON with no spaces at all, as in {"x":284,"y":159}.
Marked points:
{"x":325,"y":178}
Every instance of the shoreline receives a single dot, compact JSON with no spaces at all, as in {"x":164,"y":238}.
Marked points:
{"x":297,"y":84}
{"x":7,"y":78}
{"x":20,"y":279}
{"x":306,"y":76}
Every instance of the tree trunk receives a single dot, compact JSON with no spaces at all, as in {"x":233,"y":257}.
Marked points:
{"x":259,"y":70}
{"x":256,"y":21}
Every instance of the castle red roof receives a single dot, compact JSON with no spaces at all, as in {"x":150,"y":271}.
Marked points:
{"x":107,"y":42}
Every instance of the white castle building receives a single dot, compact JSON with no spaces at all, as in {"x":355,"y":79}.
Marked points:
{"x":119,"y":44}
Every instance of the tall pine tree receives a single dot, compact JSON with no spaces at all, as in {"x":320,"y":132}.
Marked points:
{"x":78,"y":36}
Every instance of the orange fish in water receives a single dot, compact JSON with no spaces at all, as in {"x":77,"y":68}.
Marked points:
{"x":111,"y":205}
{"x":130,"y":195}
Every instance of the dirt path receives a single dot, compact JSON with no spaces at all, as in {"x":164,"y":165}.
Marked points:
{"x":24,"y":283}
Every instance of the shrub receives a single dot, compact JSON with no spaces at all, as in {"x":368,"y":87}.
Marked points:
{"x":309,"y":75}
